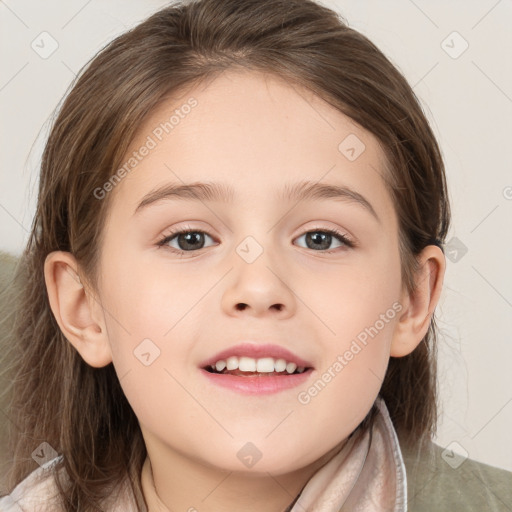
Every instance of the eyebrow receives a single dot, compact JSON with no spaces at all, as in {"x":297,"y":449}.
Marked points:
{"x":302,"y":191}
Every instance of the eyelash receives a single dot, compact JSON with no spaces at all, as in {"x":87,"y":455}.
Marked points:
{"x":342,"y":238}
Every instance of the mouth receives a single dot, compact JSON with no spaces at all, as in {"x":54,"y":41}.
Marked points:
{"x":256,"y":358}
{"x":256,"y":369}
{"x":249,"y":367}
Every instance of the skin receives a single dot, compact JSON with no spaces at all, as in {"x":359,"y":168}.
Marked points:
{"x":255,"y":133}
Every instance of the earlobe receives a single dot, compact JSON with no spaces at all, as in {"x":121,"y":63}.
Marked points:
{"x":76,"y":310}
{"x":419,"y":304}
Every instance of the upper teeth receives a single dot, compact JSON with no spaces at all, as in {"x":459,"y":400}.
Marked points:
{"x":263,"y":365}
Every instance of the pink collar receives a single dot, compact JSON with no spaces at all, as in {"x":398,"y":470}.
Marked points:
{"x":368,"y":474}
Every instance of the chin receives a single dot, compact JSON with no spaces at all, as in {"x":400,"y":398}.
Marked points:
{"x":254,"y":459}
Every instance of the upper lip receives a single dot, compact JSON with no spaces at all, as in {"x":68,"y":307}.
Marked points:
{"x":257,"y":351}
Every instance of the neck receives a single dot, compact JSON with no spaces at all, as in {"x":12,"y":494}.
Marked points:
{"x":198,"y":487}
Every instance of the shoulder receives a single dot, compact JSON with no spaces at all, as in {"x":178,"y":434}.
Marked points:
{"x":36,"y":490}
{"x":440,"y":479}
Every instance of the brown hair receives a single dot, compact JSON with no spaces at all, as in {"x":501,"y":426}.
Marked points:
{"x":81,"y":411}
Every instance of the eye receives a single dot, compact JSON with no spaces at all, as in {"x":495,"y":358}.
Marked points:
{"x":190,"y":240}
{"x":322,"y":238}
{"x":187,"y":240}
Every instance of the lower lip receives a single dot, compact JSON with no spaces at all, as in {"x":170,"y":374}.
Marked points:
{"x":255,"y":384}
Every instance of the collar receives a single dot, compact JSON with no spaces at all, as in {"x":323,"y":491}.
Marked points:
{"x":368,"y":474}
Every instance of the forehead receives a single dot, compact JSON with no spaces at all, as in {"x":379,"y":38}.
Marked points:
{"x":256,"y":132}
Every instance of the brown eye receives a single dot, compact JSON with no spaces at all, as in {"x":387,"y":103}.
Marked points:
{"x":186,"y":241}
{"x":321,"y":239}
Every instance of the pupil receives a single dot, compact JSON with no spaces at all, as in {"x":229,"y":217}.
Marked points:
{"x":318,"y":239}
{"x":186,"y":239}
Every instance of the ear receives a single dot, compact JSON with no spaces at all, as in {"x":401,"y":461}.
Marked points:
{"x":78,"y":313}
{"x":419,"y":305}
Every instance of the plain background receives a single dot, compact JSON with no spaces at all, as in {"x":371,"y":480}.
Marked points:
{"x":466,"y":94}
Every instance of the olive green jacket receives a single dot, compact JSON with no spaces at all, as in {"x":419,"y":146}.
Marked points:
{"x":439,"y":479}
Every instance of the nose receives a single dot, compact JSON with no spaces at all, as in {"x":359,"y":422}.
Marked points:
{"x":259,"y":288}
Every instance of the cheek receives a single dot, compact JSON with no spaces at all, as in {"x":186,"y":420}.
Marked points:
{"x":352,"y":370}
{"x":359,"y":309}
{"x":147,"y":310}
{"x":351,"y":297}
{"x":148,"y":300}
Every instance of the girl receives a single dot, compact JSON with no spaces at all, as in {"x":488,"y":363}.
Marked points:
{"x":286,"y":363}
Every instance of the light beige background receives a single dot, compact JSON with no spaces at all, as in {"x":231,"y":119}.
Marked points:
{"x":467,"y":96}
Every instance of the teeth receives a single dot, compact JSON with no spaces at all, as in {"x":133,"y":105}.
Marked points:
{"x":263,"y":365}
{"x":280,"y":365}
{"x":291,"y":367}
{"x":247,"y":364}
{"x":220,"y":365}
{"x":232,"y":363}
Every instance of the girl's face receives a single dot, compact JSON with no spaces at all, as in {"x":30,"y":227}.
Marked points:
{"x":259,"y":268}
